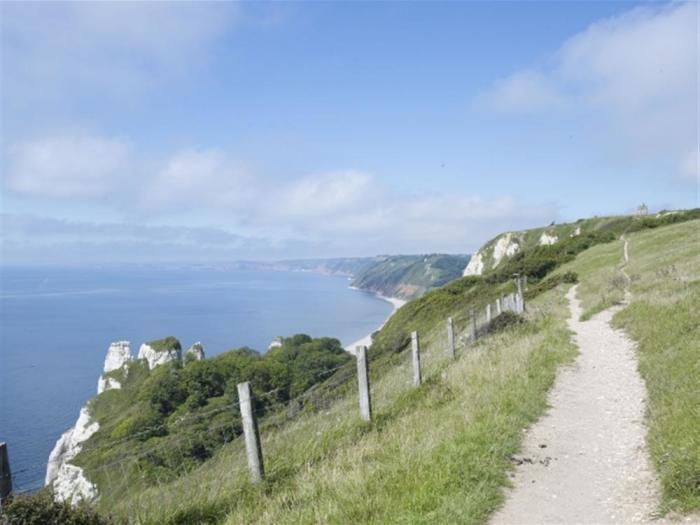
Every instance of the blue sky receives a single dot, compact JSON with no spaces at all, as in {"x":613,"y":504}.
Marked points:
{"x":206,"y":132}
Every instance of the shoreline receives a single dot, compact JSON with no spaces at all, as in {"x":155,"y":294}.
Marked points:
{"x":367,"y":339}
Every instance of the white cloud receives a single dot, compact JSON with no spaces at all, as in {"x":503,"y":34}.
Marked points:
{"x":633,"y":75}
{"x":59,"y":52}
{"x":197,"y":178}
{"x":324,"y":195}
{"x":524,"y":91}
{"x":67,"y":166}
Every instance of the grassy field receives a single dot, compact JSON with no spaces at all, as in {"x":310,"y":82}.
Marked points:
{"x":434,"y":454}
{"x":664,"y":319}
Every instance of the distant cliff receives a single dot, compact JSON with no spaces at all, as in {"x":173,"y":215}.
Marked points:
{"x":402,"y":276}
{"x":410,"y":276}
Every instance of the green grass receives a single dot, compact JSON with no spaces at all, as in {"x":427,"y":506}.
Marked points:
{"x":165,"y":344}
{"x":664,"y":319}
{"x":437,"y":453}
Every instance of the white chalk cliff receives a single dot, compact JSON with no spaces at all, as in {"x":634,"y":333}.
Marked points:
{"x":547,"y":240}
{"x":196,"y":351}
{"x":68,"y":481}
{"x":118,"y":355}
{"x":505,"y":247}
{"x":475,"y":266}
{"x":158,"y":357}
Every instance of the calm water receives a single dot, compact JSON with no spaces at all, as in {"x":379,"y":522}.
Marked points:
{"x":56,"y":326}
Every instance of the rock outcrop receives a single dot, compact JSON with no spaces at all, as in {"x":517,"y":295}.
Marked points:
{"x":196,"y":351}
{"x":68,"y":481}
{"x":159,"y":356}
{"x":475,"y":266}
{"x":547,"y":240}
{"x":275,"y":343}
{"x":118,"y":355}
{"x":506,"y":246}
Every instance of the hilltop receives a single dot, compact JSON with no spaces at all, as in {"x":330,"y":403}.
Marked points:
{"x":441,"y":452}
{"x":401,"y":276}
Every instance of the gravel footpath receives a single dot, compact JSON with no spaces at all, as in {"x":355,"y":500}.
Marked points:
{"x":586,"y":460}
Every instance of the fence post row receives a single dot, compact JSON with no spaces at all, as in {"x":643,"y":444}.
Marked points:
{"x":415,"y":345}
{"x":472,"y":325}
{"x":251,"y":434}
{"x":450,"y":338}
{"x":5,"y":474}
{"x":363,"y":383}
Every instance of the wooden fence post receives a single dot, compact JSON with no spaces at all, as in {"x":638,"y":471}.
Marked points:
{"x":472,"y":325}
{"x":521,"y":288}
{"x":250,"y":432}
{"x":5,"y":474}
{"x":450,"y":338}
{"x":415,"y":345}
{"x":488,"y":314}
{"x":363,"y":383}
{"x":498,"y":306}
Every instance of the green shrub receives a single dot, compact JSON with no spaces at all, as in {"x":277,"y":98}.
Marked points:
{"x":41,"y":509}
{"x":504,"y":321}
{"x":167,"y":343}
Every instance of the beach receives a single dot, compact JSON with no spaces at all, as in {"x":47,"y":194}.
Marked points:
{"x":367,"y":340}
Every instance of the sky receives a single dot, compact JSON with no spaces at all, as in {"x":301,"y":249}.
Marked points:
{"x":207,"y":132}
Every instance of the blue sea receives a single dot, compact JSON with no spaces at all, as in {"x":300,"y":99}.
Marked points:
{"x":57,"y":323}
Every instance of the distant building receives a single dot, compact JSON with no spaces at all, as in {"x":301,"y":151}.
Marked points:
{"x":642,"y":211}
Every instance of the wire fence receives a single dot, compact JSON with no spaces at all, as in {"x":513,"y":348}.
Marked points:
{"x":155,"y":460}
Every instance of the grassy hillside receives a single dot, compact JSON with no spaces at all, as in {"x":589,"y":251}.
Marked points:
{"x":491,"y":254}
{"x":440,"y":453}
{"x":410,"y":276}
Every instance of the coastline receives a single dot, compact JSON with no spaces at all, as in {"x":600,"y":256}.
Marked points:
{"x":367,"y":340}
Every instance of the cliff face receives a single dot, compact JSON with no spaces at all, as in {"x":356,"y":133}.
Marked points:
{"x":506,"y":245}
{"x":118,"y":355}
{"x":410,"y":276}
{"x":157,"y":357}
{"x":68,"y":481}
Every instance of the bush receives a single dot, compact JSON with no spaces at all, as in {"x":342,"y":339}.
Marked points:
{"x":41,"y":509}
{"x":505,"y":320}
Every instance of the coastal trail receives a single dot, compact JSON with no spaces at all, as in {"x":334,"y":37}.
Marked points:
{"x":586,"y":461}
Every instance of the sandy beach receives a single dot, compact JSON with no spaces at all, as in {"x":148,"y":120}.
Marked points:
{"x":367,"y":340}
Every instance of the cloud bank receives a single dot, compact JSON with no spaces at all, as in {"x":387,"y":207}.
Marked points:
{"x":635,"y":76}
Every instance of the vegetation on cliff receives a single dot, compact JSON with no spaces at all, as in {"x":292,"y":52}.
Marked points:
{"x":410,"y":276}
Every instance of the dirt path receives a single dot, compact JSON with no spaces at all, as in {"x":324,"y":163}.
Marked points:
{"x":586,"y":461}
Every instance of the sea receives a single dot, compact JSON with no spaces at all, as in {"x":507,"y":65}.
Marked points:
{"x":56,"y":325}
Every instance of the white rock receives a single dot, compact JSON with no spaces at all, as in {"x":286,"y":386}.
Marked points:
{"x":68,"y":480}
{"x":71,"y":485}
{"x":276,"y":343}
{"x":118,"y":355}
{"x":576,"y":232}
{"x":475,"y":266}
{"x":505,"y":247}
{"x":107,"y":383}
{"x":196,"y":351}
{"x":158,"y":357}
{"x":547,"y":240}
